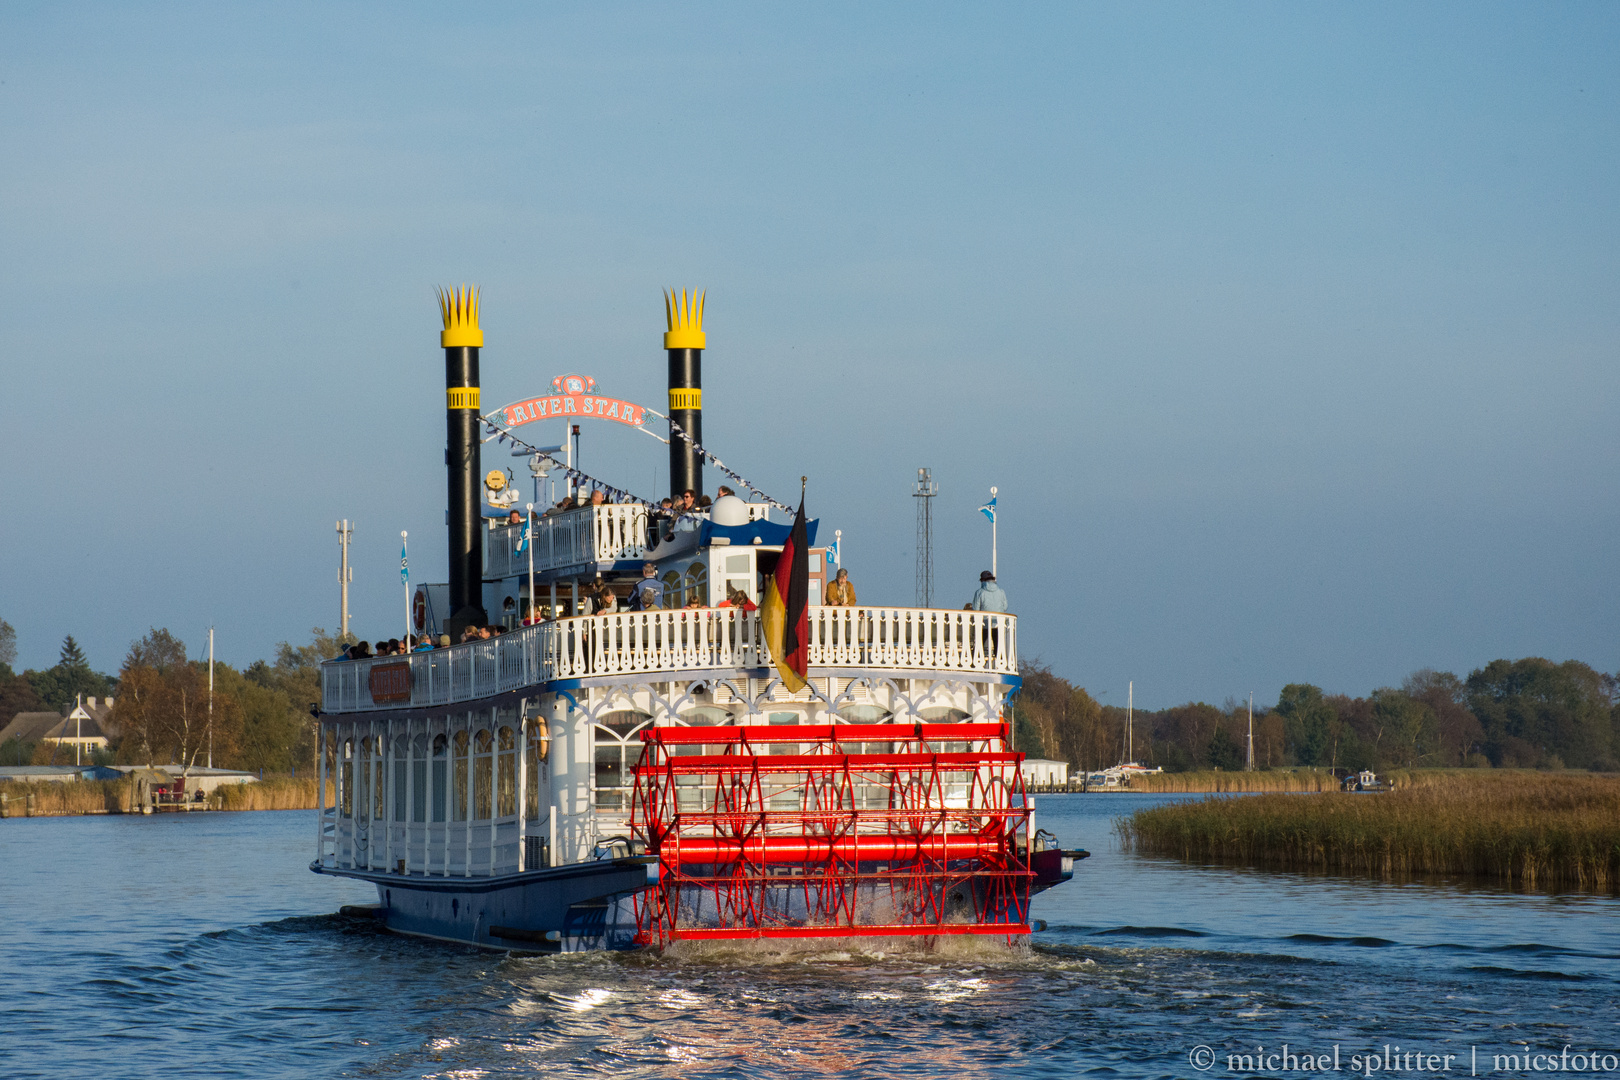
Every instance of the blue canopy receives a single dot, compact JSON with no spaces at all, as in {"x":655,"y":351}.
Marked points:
{"x":760,"y":532}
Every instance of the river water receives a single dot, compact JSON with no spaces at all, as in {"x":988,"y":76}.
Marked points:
{"x":200,"y":945}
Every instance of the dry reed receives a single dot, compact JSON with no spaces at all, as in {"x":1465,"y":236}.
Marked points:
{"x":271,"y":793}
{"x":1220,"y":781}
{"x":1551,"y":831}
{"x":54,"y":799}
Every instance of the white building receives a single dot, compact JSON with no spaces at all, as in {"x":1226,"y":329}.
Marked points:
{"x":1044,"y":772}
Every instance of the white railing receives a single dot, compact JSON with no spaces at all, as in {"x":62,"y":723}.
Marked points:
{"x":687,"y":639}
{"x":590,"y":534}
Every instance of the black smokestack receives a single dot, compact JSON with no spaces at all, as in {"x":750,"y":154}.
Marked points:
{"x":684,"y":342}
{"x":462,"y":340}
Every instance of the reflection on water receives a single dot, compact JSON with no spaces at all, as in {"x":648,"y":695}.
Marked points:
{"x":201,"y":946}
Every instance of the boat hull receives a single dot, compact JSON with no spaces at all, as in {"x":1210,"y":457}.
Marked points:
{"x":572,"y":908}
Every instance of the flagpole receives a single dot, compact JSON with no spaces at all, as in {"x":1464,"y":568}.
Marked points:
{"x":528,"y":543}
{"x":992,"y":535}
{"x":838,"y":547}
{"x":405,"y":579}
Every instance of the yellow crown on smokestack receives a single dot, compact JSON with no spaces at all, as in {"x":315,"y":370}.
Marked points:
{"x":459,"y":309}
{"x":684,"y":313}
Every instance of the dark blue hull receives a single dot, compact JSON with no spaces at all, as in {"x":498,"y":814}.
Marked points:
{"x":559,"y":909}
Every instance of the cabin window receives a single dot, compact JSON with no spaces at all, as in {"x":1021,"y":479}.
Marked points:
{"x":346,"y":781}
{"x":483,"y":762}
{"x":864,"y":714}
{"x":672,"y":590}
{"x":460,"y":790}
{"x":617,"y":737}
{"x":441,"y":762}
{"x":536,"y":750}
{"x":379,"y":778}
{"x":506,"y":773}
{"x":400,"y":754}
{"x":362,"y":773}
{"x":419,"y":775}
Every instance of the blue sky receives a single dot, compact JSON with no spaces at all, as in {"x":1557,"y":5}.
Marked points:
{"x":1288,"y":332}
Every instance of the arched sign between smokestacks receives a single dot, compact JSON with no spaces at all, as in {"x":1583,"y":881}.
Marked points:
{"x":574,"y":397}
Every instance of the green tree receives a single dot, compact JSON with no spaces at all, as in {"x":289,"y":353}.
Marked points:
{"x":1538,"y":713}
{"x":1407,"y":728}
{"x":8,"y":646}
{"x":1223,"y":751}
{"x":1457,"y":731}
{"x":72,"y":655}
{"x":1310,"y":725}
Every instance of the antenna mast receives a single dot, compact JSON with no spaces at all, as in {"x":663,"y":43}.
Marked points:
{"x":345,"y":575}
{"x":924,"y":493}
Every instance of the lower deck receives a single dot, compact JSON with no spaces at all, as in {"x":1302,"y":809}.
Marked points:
{"x":545,"y":778}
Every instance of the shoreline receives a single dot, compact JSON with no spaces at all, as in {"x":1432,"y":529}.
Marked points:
{"x":87,"y":798}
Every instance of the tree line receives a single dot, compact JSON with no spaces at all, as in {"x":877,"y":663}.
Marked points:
{"x":1529,"y":713}
{"x":259,"y":717}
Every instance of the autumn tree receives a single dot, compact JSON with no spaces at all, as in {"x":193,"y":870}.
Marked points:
{"x":163,"y":706}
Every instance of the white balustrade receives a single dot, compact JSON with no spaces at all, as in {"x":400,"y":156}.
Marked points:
{"x":671,"y":641}
{"x":590,"y":534}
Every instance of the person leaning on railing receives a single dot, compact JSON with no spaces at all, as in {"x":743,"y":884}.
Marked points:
{"x":841,"y":593}
{"x":736,"y":598}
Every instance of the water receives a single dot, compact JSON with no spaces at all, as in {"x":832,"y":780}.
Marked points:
{"x":199,"y":945}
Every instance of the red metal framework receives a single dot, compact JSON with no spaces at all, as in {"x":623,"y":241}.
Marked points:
{"x":832,"y":830}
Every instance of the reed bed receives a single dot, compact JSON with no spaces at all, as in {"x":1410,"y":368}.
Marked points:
{"x":53,"y":799}
{"x":271,"y":793}
{"x":1220,"y":781}
{"x":1544,"y":831}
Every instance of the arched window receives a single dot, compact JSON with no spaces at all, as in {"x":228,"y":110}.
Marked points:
{"x":672,"y":589}
{"x":618,"y":748}
{"x":697,"y":584}
{"x":441,"y":763}
{"x":459,"y":790}
{"x":483,"y":764}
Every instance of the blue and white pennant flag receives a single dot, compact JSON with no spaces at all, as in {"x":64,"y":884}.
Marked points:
{"x":989,"y":509}
{"x":404,"y":565}
{"x":832,"y":553}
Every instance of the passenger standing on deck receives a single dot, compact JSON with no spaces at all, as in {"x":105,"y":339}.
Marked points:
{"x":649,"y":591}
{"x":989,"y":597}
{"x":841,"y":593}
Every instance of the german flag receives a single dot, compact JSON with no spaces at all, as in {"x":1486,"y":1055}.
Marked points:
{"x":785,"y":608}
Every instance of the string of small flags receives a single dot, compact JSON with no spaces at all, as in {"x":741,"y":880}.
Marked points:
{"x":611,"y":493}
{"x":675,"y":429}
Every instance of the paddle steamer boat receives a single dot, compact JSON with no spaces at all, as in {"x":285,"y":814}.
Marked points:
{"x":633,"y":778}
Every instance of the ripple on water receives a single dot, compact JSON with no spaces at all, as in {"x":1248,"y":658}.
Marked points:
{"x":242,"y":980}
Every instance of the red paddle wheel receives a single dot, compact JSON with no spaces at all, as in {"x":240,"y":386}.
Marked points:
{"x":832,"y":830}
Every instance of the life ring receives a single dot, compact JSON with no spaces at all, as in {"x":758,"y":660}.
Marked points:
{"x":419,"y":611}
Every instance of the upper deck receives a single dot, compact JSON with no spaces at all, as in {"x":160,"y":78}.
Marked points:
{"x":673,"y":643}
